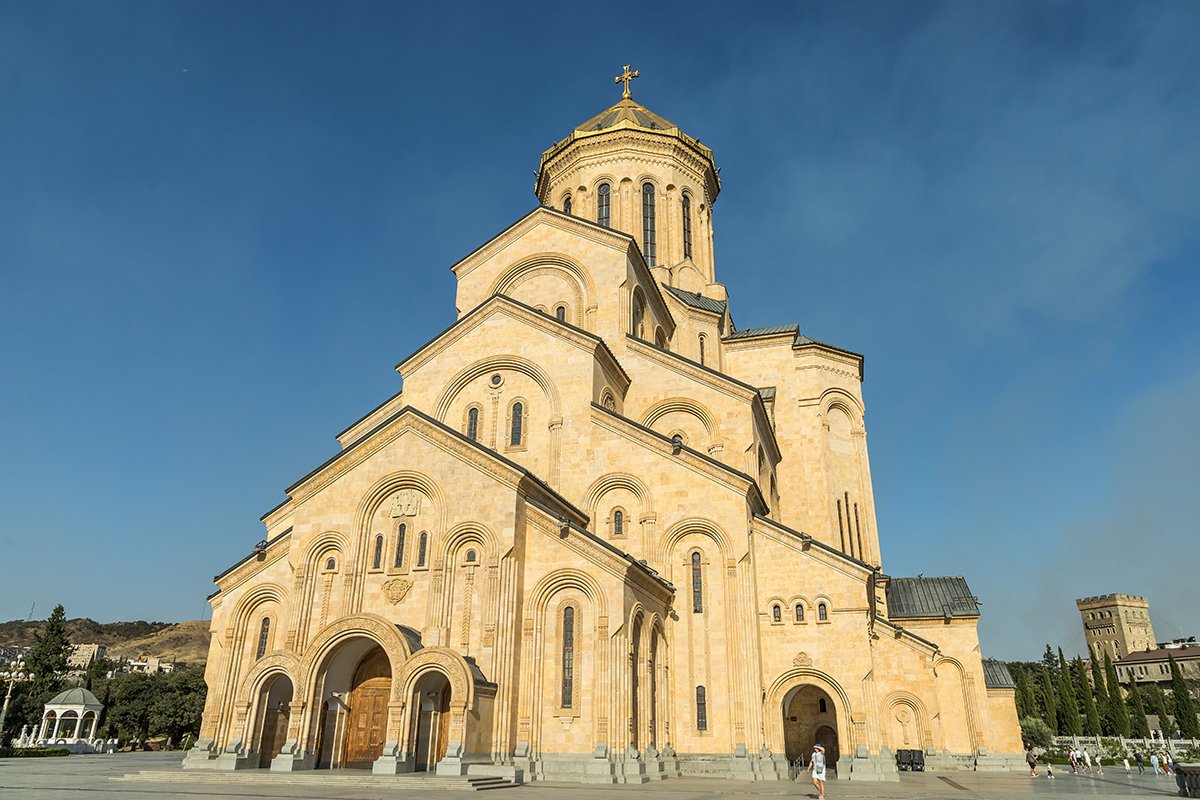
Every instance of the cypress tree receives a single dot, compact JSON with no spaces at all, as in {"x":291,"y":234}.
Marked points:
{"x":1139,"y":726}
{"x":1185,"y":707}
{"x":1116,"y":700}
{"x":1069,"y":721}
{"x":1026,"y":705}
{"x":1157,"y":706}
{"x":1049,"y":703}
{"x":1091,"y":715}
{"x":1100,"y":693}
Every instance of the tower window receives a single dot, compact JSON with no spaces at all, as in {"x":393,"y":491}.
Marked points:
{"x":400,"y":534}
{"x":702,"y":342}
{"x":697,"y":585}
{"x":264,"y":633}
{"x":516,"y":431}
{"x":567,"y":204}
{"x":473,"y":424}
{"x":422,"y":548}
{"x":701,"y":709}
{"x":568,"y":657}
{"x":603,"y":196}
{"x":377,"y":560}
{"x":648,"y":235}
{"x":618,"y":523}
{"x":685,"y":205}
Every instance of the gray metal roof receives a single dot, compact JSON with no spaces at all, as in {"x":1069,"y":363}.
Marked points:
{"x":771,"y":330}
{"x":74,"y":697}
{"x":697,"y":300}
{"x":996,"y":675}
{"x":930,"y":597}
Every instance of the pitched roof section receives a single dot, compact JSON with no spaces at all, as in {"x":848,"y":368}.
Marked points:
{"x":909,"y":598}
{"x":996,"y":675}
{"x":1185,"y":653}
{"x":696,"y":300}
{"x":771,"y":330}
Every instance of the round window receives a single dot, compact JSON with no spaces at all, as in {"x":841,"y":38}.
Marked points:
{"x":497,"y":380}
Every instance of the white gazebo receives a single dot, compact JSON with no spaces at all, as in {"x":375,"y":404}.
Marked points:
{"x":70,"y":721}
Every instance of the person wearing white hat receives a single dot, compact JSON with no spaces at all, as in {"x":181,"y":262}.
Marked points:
{"x":817,"y":767}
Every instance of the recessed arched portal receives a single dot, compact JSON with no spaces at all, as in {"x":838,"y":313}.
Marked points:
{"x":809,"y":718}
{"x":431,"y":723}
{"x":352,"y":692}
{"x":274,"y":702}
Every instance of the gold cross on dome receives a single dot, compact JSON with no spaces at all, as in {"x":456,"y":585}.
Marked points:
{"x":626,"y":77}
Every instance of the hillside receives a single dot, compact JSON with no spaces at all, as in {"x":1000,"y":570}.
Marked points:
{"x":185,"y":641}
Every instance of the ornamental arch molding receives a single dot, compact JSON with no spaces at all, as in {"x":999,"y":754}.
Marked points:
{"x":686,"y":406}
{"x":370,"y":626}
{"x":286,"y":664}
{"x":253,"y":600}
{"x":617,"y":480}
{"x":807,"y":676}
{"x":545,"y":264}
{"x":513,"y":363}
{"x":694,"y":525}
{"x":563,"y":580}
{"x":445,"y":661}
{"x":390,"y":484}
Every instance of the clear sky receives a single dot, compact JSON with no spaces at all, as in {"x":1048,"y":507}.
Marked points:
{"x":222,"y":224}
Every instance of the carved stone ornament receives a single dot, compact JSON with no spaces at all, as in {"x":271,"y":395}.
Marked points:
{"x":405,"y":503}
{"x":802,"y":659}
{"x":397,"y":589}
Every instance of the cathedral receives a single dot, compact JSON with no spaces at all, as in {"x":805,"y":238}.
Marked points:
{"x":602,"y":534}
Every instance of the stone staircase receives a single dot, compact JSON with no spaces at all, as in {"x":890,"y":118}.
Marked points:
{"x":263,"y":777}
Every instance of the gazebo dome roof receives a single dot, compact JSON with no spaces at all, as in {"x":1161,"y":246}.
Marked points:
{"x":74,"y":697}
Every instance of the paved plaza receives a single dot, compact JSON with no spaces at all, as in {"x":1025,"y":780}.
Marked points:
{"x":106,"y":777}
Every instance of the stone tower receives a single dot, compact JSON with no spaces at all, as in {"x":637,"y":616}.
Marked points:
{"x":1118,"y":624}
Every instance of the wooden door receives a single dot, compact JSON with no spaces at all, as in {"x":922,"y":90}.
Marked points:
{"x":366,"y":724}
{"x":275,"y":725}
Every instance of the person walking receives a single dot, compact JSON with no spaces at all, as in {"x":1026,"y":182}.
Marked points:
{"x":1126,"y":761}
{"x":1168,"y":763}
{"x":1099,"y":764}
{"x":817,"y":767}
{"x":1049,"y":770}
{"x":1154,"y":763}
{"x":1031,"y":760}
{"x":1087,"y":760}
{"x":1137,"y":756}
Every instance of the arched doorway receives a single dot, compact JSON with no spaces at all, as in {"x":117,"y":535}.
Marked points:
{"x":431,"y":728}
{"x":274,"y":701}
{"x":809,"y":718}
{"x":366,"y":717}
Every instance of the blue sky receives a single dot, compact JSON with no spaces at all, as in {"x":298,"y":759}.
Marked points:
{"x":221,"y":224}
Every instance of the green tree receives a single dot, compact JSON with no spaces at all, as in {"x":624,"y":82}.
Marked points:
{"x":1036,"y":732}
{"x":1070,"y":722}
{"x":1116,"y":701}
{"x":1156,"y":704}
{"x":1047,"y":700}
{"x":1091,"y":715}
{"x":47,"y":660}
{"x":1100,"y":693}
{"x":1139,"y":726}
{"x":132,"y":696}
{"x":1050,"y":661}
{"x":1185,"y":707}
{"x":1026,"y":705}
{"x":178,"y":703}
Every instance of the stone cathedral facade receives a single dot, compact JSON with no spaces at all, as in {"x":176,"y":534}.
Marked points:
{"x":602,"y":534}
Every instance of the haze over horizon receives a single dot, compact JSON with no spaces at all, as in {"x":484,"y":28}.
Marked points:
{"x":222,"y":224}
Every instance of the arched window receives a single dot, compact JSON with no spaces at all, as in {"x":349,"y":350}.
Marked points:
{"x":330,"y":564}
{"x":264,"y":633}
{"x":702,"y":341}
{"x":638,"y":317}
{"x":401,"y":532}
{"x":701,"y":709}
{"x":648,"y":236}
{"x":776,"y":614}
{"x":799,"y":612}
{"x":822,"y":612}
{"x":377,"y":560}
{"x":603,"y":196}
{"x":560,"y":313}
{"x":422,"y":548}
{"x":697,"y":585}
{"x":685,"y":205}
{"x":618,"y":528}
{"x":568,"y":657}
{"x":567,"y":204}
{"x":517,"y":430}
{"x":821,"y":705}
{"x":471,"y":556}
{"x":660,"y":338}
{"x":473,"y":424}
